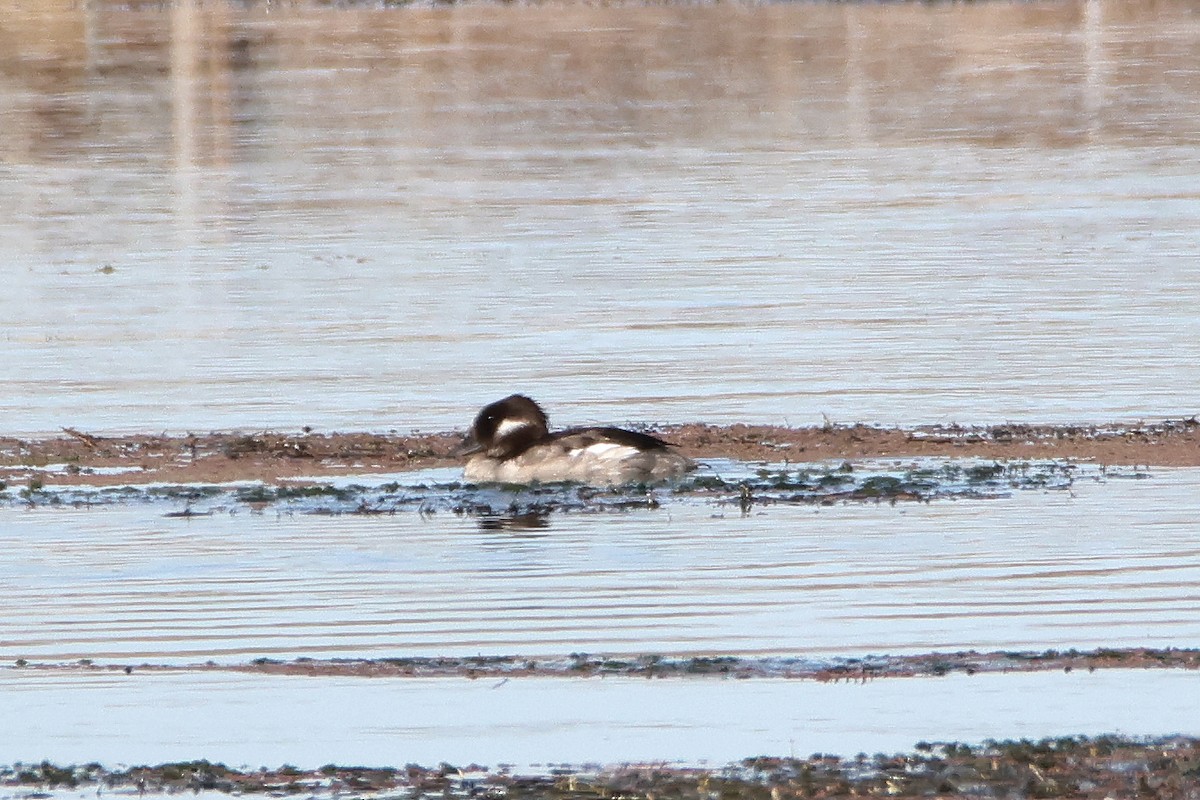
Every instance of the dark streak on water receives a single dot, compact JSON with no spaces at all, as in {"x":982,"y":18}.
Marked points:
{"x":720,"y":484}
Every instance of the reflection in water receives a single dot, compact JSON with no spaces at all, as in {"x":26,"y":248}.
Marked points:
{"x":218,"y":216}
{"x":522,"y":524}
{"x":382,"y":217}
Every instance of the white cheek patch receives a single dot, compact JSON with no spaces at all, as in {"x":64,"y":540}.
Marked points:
{"x":604,"y":451}
{"x":509,"y":426}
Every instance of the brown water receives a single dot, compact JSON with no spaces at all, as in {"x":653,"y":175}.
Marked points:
{"x":216,"y":217}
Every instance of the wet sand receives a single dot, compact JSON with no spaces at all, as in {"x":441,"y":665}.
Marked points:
{"x":78,"y":457}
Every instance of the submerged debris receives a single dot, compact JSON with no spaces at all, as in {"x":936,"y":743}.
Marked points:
{"x":746,"y":487}
{"x":1083,"y":767}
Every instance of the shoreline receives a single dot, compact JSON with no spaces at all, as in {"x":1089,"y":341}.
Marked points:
{"x":1066,"y":766}
{"x":581,"y":665}
{"x":80,"y":458}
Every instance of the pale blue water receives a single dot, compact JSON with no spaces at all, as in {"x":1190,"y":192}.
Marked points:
{"x":535,"y":722}
{"x":382,"y":219}
{"x":1102,"y":564}
{"x":374,"y":219}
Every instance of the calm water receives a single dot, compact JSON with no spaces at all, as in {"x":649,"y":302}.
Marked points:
{"x":364,"y":218}
{"x":1105,"y":564}
{"x":157,"y":718}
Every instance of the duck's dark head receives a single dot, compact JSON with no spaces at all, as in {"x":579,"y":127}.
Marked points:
{"x":508,"y":427}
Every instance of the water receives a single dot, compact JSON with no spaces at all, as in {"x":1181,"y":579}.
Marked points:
{"x":1101,"y":565}
{"x":362,"y":218}
{"x":530,"y":721}
{"x":365,"y":218}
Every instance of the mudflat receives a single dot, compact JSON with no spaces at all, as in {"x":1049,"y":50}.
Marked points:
{"x":78,"y":457}
{"x":1100,"y":767}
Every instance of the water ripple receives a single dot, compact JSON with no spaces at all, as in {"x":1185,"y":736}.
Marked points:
{"x":1103,"y":564}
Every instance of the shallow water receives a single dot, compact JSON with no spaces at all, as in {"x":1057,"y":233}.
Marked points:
{"x":1100,"y":564}
{"x":530,"y":721}
{"x":363,"y":218}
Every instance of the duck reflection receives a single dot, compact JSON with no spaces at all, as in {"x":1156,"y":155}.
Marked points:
{"x":526,"y":523}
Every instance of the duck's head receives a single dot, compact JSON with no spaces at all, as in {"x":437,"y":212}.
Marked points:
{"x":507,"y":427}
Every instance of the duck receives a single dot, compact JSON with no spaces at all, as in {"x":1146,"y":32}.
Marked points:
{"x":512,"y":443}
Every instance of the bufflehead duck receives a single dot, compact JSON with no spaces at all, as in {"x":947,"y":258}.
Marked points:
{"x":513,"y":444}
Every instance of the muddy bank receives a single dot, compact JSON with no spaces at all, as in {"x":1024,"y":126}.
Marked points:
{"x":1083,"y":767}
{"x":656,"y":666}
{"x":78,"y":457}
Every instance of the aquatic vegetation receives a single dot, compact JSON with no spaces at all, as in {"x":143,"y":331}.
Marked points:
{"x":190,"y":492}
{"x":272,"y":494}
{"x":751,"y":488}
{"x":1066,"y":766}
{"x":825,"y":669}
